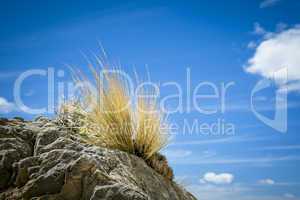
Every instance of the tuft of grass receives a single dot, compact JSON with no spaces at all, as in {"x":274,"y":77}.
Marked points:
{"x":116,"y":120}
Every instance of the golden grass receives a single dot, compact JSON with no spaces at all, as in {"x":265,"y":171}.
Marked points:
{"x":115,"y":119}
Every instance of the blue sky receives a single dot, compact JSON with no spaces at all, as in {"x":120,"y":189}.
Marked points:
{"x":217,"y":41}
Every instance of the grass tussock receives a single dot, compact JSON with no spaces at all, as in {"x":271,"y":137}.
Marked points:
{"x":106,"y":114}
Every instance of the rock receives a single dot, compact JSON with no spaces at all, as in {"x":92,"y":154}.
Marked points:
{"x":19,"y":119}
{"x":3,"y":121}
{"x":40,"y":161}
{"x":12,"y":149}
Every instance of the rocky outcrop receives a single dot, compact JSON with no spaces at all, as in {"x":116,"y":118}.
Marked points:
{"x":41,"y":161}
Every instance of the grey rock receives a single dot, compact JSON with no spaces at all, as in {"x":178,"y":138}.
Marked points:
{"x":12,"y":149}
{"x":40,"y":161}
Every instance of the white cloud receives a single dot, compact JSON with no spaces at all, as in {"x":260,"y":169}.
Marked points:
{"x":267,"y":181}
{"x":223,"y":178}
{"x":5,"y":106}
{"x":268,"y":3}
{"x":280,"y":50}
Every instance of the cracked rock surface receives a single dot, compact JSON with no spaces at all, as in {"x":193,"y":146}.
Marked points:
{"x":41,"y":161}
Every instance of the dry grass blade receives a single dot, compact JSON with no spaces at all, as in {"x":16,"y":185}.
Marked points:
{"x":113,"y":120}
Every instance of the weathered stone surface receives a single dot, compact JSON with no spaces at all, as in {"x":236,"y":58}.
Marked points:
{"x":40,"y":161}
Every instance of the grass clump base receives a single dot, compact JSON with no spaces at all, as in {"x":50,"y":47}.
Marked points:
{"x":106,"y":114}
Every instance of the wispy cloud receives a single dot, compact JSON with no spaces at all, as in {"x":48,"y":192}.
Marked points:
{"x":272,"y":182}
{"x":241,"y":191}
{"x":176,"y":153}
{"x":289,"y":195}
{"x":216,"y":192}
{"x":231,"y":139}
{"x":265,"y":104}
{"x":267,"y":181}
{"x":6,"y":106}
{"x":251,"y":45}
{"x":235,"y":160}
{"x":279,"y":147}
{"x":29,"y":93}
{"x":8,"y":74}
{"x":258,"y":29}
{"x":235,"y":191}
{"x":268,"y":3}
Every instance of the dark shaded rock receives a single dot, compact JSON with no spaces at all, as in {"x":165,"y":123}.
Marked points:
{"x":12,"y":149}
{"x":25,"y":170}
{"x":19,"y":119}
{"x":3,"y":121}
{"x":39,"y":161}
